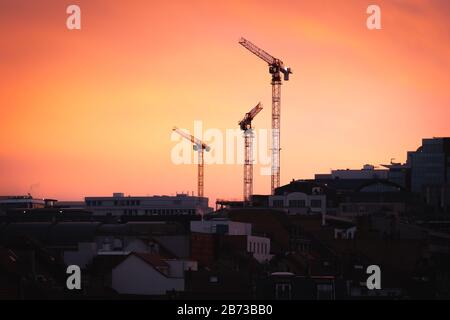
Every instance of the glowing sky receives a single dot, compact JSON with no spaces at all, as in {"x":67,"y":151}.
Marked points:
{"x":90,"y":112}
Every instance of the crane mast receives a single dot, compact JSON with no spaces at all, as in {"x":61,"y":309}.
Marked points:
{"x":200,"y":147}
{"x":276,"y":68}
{"x":246,"y":126}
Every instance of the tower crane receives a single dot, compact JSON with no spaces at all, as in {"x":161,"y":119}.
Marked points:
{"x":276,"y":68}
{"x":200,"y":147}
{"x":246,"y":126}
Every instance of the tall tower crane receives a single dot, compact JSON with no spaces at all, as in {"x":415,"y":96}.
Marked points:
{"x":276,"y":68}
{"x":200,"y":147}
{"x":246,"y":126}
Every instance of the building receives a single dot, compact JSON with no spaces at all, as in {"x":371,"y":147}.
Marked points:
{"x":375,"y":197}
{"x":430,"y":164}
{"x":29,"y":271}
{"x":299,"y":203}
{"x":399,"y":173}
{"x":288,"y":286}
{"x":211,"y":235}
{"x":430,"y":172}
{"x":45,"y":215}
{"x":118,"y":205}
{"x":221,"y":226}
{"x":21,"y":202}
{"x":367,"y":172}
{"x":299,"y":197}
{"x":221,"y":285}
{"x":266,"y":222}
{"x":149,"y":275}
{"x":368,"y":191}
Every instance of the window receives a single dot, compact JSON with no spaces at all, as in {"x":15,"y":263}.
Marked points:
{"x":283,"y":291}
{"x":297,"y":203}
{"x":118,"y":244}
{"x":316,"y":203}
{"x":278,"y":203}
{"x":325,"y":291}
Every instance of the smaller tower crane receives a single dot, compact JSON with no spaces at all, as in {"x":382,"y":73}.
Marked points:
{"x":200,"y":147}
{"x":246,"y":126}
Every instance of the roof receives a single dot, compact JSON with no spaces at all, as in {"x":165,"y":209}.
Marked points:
{"x":304,"y":186}
{"x":105,"y":263}
{"x":376,"y":182}
{"x":152,"y":259}
{"x":35,"y":230}
{"x":69,"y":233}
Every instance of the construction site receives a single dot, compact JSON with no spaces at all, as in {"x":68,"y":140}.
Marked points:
{"x":278,"y":72}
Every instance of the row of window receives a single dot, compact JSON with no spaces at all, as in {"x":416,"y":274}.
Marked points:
{"x":325,"y":291}
{"x":258,"y":247}
{"x":315,"y":203}
{"x":127,"y":203}
{"x":97,"y":203}
{"x":131,"y":212}
{"x":93,"y":203}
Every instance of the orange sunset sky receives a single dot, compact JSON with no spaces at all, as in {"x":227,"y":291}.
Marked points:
{"x":90,"y":111}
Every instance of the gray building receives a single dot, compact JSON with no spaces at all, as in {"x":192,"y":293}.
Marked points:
{"x":22,"y":202}
{"x":430,"y":164}
{"x":399,"y":173}
{"x":430,"y":172}
{"x":367,"y":172}
{"x":118,"y":205}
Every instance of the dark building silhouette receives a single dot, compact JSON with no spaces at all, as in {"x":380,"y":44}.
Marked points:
{"x":430,"y":171}
{"x":430,"y":164}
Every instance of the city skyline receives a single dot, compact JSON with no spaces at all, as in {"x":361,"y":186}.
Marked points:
{"x":90,"y":111}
